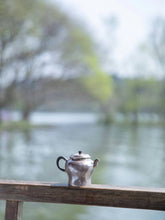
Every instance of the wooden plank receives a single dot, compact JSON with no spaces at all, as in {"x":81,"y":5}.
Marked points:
{"x":99,"y":195}
{"x":13,"y":210}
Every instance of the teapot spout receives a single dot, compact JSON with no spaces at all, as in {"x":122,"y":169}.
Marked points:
{"x":95,"y":163}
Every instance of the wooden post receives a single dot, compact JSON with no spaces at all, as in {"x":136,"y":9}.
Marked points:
{"x":13,"y":210}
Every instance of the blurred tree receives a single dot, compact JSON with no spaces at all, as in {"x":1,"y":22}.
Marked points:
{"x":138,"y":95}
{"x":38,"y":41}
{"x":156,"y":43}
{"x":11,"y":21}
{"x":16,"y":35}
{"x":108,"y":43}
{"x":153,"y":57}
{"x":100,"y":86}
{"x":145,"y":92}
{"x":157,"y":50}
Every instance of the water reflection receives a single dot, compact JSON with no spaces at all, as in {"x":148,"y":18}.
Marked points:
{"x":128,"y":156}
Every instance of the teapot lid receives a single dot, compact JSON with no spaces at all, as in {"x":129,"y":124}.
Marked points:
{"x":79,"y":156}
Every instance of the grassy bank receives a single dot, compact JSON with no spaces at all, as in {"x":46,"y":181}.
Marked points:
{"x":20,"y":125}
{"x":26,"y":125}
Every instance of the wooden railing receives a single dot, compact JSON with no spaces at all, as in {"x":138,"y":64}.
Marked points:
{"x":17,"y":192}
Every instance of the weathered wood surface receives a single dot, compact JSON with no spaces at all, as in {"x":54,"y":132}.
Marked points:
{"x":99,"y":195}
{"x":13,"y":210}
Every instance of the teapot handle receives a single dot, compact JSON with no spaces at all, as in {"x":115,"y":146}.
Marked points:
{"x":57,"y":162}
{"x":95,"y":163}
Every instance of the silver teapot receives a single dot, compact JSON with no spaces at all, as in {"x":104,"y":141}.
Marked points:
{"x":79,"y":168}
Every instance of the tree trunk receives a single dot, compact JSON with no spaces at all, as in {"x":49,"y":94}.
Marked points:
{"x":1,"y":108}
{"x":107,"y":111}
{"x":0,"y":117}
{"x":26,"y":114}
{"x":135,"y":118}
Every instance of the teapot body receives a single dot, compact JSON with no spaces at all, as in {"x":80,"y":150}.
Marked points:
{"x":79,"y":173}
{"x":79,"y":170}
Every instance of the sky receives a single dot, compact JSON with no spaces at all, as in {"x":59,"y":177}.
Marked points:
{"x":134,"y":20}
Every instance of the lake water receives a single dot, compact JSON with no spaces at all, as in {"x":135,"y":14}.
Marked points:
{"x":129,"y":156}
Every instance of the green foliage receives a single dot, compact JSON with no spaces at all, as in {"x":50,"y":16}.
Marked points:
{"x":73,"y":50}
{"x":42,"y":29}
{"x":20,"y":125}
{"x":98,"y":82}
{"x":138,"y":95}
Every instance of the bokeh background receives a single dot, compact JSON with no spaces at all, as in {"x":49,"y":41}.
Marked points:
{"x":83,"y":75}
